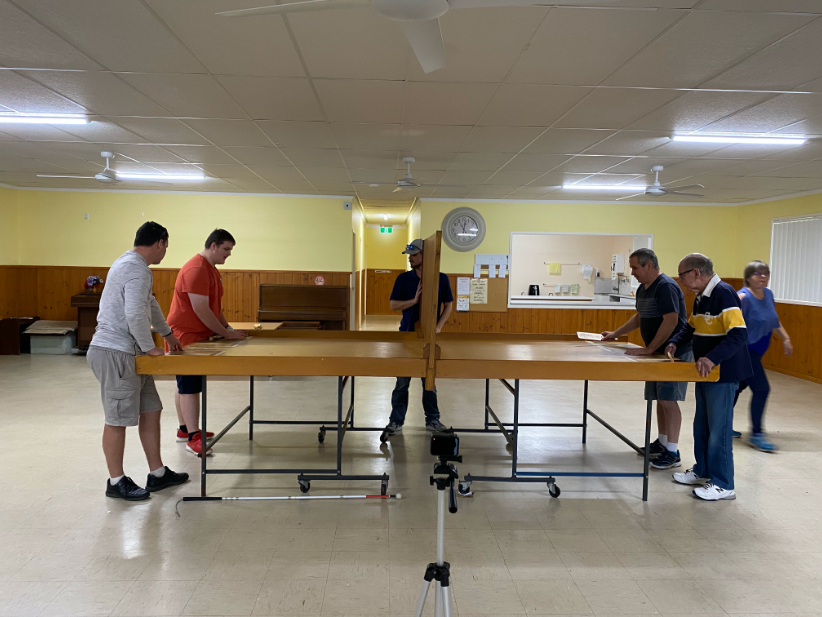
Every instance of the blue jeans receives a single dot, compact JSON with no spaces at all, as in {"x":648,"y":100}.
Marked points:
{"x":760,"y":389}
{"x":713,"y":423}
{"x":399,"y":402}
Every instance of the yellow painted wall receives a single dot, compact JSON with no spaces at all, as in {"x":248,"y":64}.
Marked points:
{"x":384,"y":251}
{"x":414,"y":219}
{"x":9,"y":227}
{"x":677,"y":230}
{"x":272,"y":233}
{"x":754,"y":226}
{"x":358,"y":225}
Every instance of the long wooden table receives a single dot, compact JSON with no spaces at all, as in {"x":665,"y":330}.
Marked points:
{"x":350,"y":354}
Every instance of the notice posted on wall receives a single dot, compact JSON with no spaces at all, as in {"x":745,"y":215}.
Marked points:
{"x":463,"y":293}
{"x":463,"y":304}
{"x":479,"y":291}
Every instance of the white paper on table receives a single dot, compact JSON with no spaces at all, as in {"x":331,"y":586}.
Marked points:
{"x":463,"y":286}
{"x":589,"y":336}
{"x":477,"y":270}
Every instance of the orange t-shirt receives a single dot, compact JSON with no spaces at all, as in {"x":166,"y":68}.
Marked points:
{"x":199,"y":277}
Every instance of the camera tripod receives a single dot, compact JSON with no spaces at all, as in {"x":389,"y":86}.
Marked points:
{"x":440,"y":571}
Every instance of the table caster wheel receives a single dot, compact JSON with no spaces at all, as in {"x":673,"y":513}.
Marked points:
{"x":464,"y":489}
{"x":321,"y":435}
{"x":553,"y":490}
{"x":384,"y":488}
{"x":305,"y":486}
{"x":384,"y":436}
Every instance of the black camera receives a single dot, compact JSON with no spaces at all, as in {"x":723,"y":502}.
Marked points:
{"x":445,"y":445}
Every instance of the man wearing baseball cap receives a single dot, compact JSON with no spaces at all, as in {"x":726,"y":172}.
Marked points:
{"x":405,"y":297}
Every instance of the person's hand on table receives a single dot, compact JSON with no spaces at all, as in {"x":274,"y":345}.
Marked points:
{"x":608,"y":336}
{"x":704,"y":366}
{"x":156,"y":351}
{"x":787,"y":347}
{"x":639,"y":351}
{"x":174,"y":343}
{"x":235,"y":335}
{"x":670,"y":351}
{"x":439,"y":328}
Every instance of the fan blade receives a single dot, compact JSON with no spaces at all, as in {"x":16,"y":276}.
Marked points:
{"x":483,"y":4}
{"x":445,"y":186}
{"x":64,"y":176}
{"x":425,"y":38}
{"x":686,"y":187}
{"x":377,"y":183}
{"x":397,"y":190}
{"x":685,"y":194}
{"x":298,"y":7}
{"x":629,"y":196}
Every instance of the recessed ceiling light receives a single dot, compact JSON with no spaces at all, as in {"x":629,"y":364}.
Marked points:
{"x":734,"y":139}
{"x":128,"y":176}
{"x":603,"y":187}
{"x":43,"y":119}
{"x":385,"y":217}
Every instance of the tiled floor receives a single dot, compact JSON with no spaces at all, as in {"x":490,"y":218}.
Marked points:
{"x":597,"y":550}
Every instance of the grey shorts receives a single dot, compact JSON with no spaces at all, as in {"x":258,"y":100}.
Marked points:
{"x":668,"y":390}
{"x":125,"y":394}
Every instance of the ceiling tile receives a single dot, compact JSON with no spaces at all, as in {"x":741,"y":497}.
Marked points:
{"x":695,"y":110}
{"x":445,"y":103}
{"x":238,"y":46}
{"x":530,"y":192}
{"x":252,"y":185}
{"x":589,"y":164}
{"x":811,"y":169}
{"x":202,"y":154}
{"x":426,"y":138}
{"x":591,"y":44}
{"x":186,"y":96}
{"x":19,"y":164}
{"x":277,"y":175}
{"x":492,"y":191}
{"x":771,"y":115}
{"x":353,"y":44}
{"x":273,"y":98}
{"x":258,"y":156}
{"x":684,"y":149}
{"x":783,"y":66}
{"x":535,"y":162}
{"x":161,"y":130}
{"x":479,"y":161}
{"x":367,"y":136}
{"x":358,"y":159}
{"x":378,"y":102}
{"x":374,"y":175}
{"x":323,"y":177}
{"x":694,"y":167}
{"x":230,"y":132}
{"x":91,"y":152}
{"x":530,"y":105}
{"x":103,"y":131}
{"x":641,"y":165}
{"x":465,"y":177}
{"x":28,"y":44}
{"x":518,"y":178}
{"x":630,"y":143}
{"x":701,"y":45}
{"x":122,"y":35}
{"x":499,"y":138}
{"x":567,"y":141}
{"x":298,"y":134}
{"x":427,"y":160}
{"x":763,"y":6}
{"x":35,"y":132}
{"x":811,"y":127}
{"x":313,"y":157}
{"x":482,"y":46}
{"x":615,"y":108}
{"x":99,"y":92}
{"x":739,"y":151}
{"x":229,"y":171}
{"x":24,"y":96}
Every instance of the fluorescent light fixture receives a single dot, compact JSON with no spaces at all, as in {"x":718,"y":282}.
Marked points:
{"x":604,"y":187}
{"x":467,"y":235}
{"x":128,"y":176}
{"x":44,"y":119}
{"x":385,"y":217}
{"x":733,"y":139}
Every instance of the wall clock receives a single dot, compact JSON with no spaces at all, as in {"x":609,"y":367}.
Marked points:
{"x":463,"y":229}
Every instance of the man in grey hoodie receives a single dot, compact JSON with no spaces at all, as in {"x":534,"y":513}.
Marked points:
{"x":127,"y":313}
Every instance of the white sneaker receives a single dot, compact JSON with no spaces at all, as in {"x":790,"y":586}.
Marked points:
{"x":711,"y":492}
{"x":689,"y":477}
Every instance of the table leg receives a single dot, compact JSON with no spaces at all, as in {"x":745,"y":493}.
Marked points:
{"x":647,"y":466}
{"x":251,"y":409}
{"x":585,"y":413}
{"x":487,"y":401}
{"x":515,"y":431}
{"x":204,"y":439}
{"x":340,"y":386}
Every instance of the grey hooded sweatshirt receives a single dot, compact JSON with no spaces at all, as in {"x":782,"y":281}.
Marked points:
{"x":128,"y":308}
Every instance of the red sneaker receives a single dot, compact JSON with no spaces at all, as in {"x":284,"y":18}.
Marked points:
{"x":181,"y":436}
{"x":195,"y":446}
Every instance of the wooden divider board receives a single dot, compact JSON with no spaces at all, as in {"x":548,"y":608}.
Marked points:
{"x":432,"y":250}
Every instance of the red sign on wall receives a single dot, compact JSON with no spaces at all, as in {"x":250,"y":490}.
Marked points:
{"x":319,"y":280}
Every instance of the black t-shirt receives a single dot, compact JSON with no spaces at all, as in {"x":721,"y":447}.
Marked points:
{"x":662,"y":297}
{"x":405,"y":288}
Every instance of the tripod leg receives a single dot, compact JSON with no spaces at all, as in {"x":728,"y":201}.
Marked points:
{"x":426,"y":584}
{"x":438,"y":601}
{"x":446,"y":601}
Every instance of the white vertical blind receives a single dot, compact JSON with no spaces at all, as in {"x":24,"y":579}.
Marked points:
{"x":796,"y":259}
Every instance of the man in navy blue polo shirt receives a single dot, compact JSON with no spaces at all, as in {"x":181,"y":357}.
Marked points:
{"x":405,"y":297}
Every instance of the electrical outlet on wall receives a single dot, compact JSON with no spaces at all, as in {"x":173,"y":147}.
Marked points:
{"x":346,"y":205}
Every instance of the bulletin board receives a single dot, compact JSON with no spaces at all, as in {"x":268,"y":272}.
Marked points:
{"x":497,"y":297}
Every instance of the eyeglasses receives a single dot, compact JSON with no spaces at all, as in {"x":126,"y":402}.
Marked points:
{"x":681,"y":274}
{"x":761,"y":274}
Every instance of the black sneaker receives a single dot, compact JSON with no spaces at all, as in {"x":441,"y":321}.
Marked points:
{"x":169,"y":478}
{"x":126,"y":489}
{"x":667,"y":460}
{"x":656,"y":449}
{"x":435,"y":426}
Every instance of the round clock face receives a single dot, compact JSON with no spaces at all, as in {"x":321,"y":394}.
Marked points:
{"x":463,"y":229}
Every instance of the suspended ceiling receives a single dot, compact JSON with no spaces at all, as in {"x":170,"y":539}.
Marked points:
{"x":531,"y":98}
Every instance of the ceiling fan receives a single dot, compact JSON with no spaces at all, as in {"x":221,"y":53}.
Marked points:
{"x":408,"y":182}
{"x":419,"y":19}
{"x":657,"y":190}
{"x":108,"y":175}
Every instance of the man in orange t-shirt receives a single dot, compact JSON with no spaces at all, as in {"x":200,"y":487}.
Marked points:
{"x":196,"y":314}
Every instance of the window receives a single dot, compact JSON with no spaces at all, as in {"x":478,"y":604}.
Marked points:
{"x":796,"y":259}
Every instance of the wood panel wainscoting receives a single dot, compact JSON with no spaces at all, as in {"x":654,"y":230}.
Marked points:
{"x":379,"y":284}
{"x":46,"y":290}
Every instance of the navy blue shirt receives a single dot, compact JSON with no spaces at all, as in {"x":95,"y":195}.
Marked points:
{"x":662,"y":297}
{"x":405,"y":288}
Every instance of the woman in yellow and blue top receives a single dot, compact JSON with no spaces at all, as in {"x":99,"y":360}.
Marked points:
{"x":759,"y":311}
{"x":719,"y":336}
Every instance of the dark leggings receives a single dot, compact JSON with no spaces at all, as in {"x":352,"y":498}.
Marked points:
{"x":760,"y":388}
